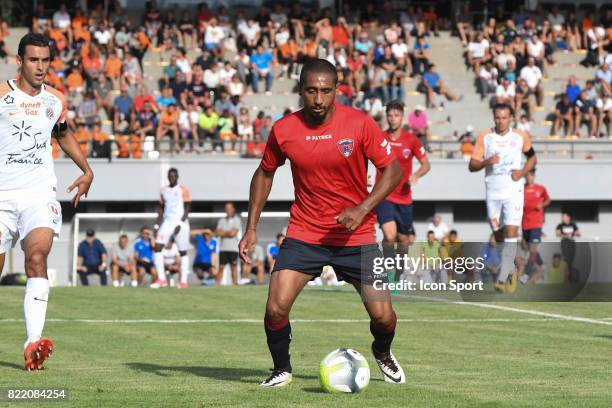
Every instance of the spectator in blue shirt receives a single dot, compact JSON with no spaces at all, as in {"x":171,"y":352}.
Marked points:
{"x":572,"y":90}
{"x":143,"y":253}
{"x":272,"y":251}
{"x":261,"y":68}
{"x":123,"y":109}
{"x":166,"y":98}
{"x":491,"y":259}
{"x":91,"y":258}
{"x":205,"y":262}
{"x":432,"y":84}
{"x":419,"y":56}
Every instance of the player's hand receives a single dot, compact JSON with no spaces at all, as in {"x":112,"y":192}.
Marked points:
{"x":493,"y":159}
{"x":517,"y":175}
{"x":246,"y":244}
{"x":177,"y":230}
{"x":351,"y":217}
{"x":539,"y":206}
{"x":412,"y":180}
{"x":82,"y":185}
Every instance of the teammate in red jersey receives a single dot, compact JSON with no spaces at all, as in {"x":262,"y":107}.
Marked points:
{"x":395,"y":212}
{"x":332,"y":223}
{"x":536,"y":199}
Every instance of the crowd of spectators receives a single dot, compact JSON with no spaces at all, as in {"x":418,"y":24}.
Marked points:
{"x":511,"y":56}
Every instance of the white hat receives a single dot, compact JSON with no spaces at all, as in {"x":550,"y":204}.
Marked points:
{"x":469,"y":128}
{"x":419,"y":108}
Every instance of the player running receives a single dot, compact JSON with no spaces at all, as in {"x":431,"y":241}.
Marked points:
{"x":331,"y":222}
{"x":174,"y":205}
{"x":395,"y":212}
{"x":499,"y":151}
{"x":30,"y":114}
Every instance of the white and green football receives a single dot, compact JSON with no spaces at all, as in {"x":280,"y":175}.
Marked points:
{"x":344,"y":370}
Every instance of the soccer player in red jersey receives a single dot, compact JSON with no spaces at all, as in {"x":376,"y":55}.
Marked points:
{"x":332,"y":223}
{"x":395,"y":212}
{"x":536,"y":199}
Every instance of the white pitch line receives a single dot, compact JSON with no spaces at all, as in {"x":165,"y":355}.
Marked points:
{"x":258,"y":321}
{"x":537,"y":313}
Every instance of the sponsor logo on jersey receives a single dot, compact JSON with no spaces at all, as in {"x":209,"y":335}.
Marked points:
{"x":386,"y":145}
{"x":9,"y":100}
{"x":346,"y":147}
{"x":318,"y":137}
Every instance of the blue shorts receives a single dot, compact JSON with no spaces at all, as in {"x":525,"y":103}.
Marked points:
{"x":350,"y":263}
{"x":532,"y":235}
{"x":400,"y":213}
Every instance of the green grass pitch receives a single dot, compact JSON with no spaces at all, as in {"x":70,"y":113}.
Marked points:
{"x":454,"y":354}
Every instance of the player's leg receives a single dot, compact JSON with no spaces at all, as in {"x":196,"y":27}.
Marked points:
{"x":512,"y":214}
{"x":36,"y":245}
{"x":285,"y":285}
{"x":161,"y":239}
{"x":1,"y":263}
{"x":386,"y":213}
{"x":182,"y":242}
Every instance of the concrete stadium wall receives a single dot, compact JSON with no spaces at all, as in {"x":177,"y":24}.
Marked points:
{"x":220,"y":179}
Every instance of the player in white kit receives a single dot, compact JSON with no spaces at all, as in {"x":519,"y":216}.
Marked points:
{"x":30,"y":114}
{"x":499,"y":151}
{"x":175,"y":201}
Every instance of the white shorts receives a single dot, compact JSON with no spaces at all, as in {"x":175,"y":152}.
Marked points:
{"x":25,"y":211}
{"x":166,"y":230}
{"x":507,"y":211}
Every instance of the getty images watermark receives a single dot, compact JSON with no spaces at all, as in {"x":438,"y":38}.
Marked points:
{"x":425,"y":273}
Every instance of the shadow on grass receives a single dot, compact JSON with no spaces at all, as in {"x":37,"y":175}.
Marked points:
{"x":314,"y":390}
{"x":216,"y":373}
{"x":604,"y":336}
{"x":11,"y":365}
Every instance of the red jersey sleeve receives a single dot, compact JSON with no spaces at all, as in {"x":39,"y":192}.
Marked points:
{"x":273,"y":156}
{"x":417,"y":149}
{"x":375,"y":145}
{"x":545,"y":196}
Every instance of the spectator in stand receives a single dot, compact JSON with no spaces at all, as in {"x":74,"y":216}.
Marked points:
{"x":572,"y":90}
{"x":272,"y":251}
{"x":144,"y":123}
{"x":603,"y":77}
{"x":477,"y":52}
{"x":61,"y":20}
{"x":467,"y":141}
{"x":432,"y":84}
{"x":143,"y":97}
{"x":505,"y":93}
{"x":557,"y":271}
{"x":168,"y":126}
{"x":249,"y":35}
{"x":91,"y":258}
{"x":568,"y":231}
{"x":604,"y":107}
{"x":212,"y":79}
{"x":75,"y":82}
{"x":564,"y":114}
{"x":88,"y":110}
{"x":101,"y":147}
{"x":122,"y":107}
{"x":262,"y":63}
{"x":226,"y":73}
{"x":83,"y":137}
{"x":188,"y":127}
{"x":256,"y":266}
{"x":245,"y":127}
{"x":524,"y":99}
{"x":586,"y":111}
{"x":420,"y":56}
{"x":418,"y":122}
{"x":213,"y":38}
{"x":102,"y":92}
{"x":439,"y":228}
{"x":533,"y":76}
{"x":226,"y":128}
{"x":491,"y":259}
{"x":122,"y":262}
{"x":208,"y":127}
{"x":487,"y":79}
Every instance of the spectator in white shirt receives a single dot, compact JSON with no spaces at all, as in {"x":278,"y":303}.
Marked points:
{"x":506,"y":93}
{"x":212,"y":78}
{"x":533,"y":76}
{"x":213,"y":38}
{"x":488,"y":79}
{"x":478,"y":52}
{"x":535,"y":49}
{"x":439,"y":228}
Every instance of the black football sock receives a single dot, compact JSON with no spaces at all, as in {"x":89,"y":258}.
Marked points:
{"x":279,"y":337}
{"x":383,"y":335}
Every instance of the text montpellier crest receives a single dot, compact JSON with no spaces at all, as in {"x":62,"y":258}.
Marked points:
{"x":346,"y":147}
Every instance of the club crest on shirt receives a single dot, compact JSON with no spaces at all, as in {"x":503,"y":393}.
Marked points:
{"x":346,"y":147}
{"x":406,"y":153}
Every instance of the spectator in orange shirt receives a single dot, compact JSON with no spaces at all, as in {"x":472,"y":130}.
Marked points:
{"x":58,"y":66}
{"x":168,"y":125}
{"x":75,"y":81}
{"x":55,"y":81}
{"x":92,"y":64}
{"x":59,"y":39}
{"x":83,"y":136}
{"x":82,"y":34}
{"x":78,"y":20}
{"x":112,"y":68}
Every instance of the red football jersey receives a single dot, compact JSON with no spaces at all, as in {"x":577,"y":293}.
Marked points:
{"x":405,"y":148}
{"x":329,"y":164}
{"x":532,"y":217}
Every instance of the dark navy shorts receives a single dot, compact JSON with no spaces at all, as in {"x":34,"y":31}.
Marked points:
{"x":400,"y":213}
{"x":532,"y":235}
{"x":351,"y":263}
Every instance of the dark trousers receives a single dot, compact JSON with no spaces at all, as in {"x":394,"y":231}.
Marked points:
{"x":92,"y":270}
